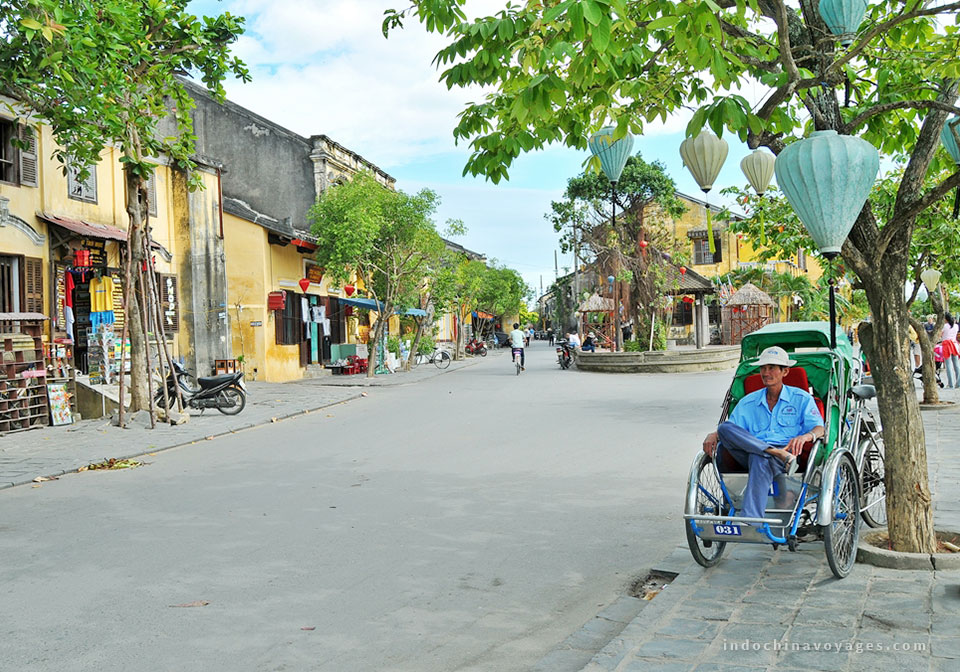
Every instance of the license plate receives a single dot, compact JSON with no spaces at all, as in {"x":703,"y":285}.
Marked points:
{"x":727,"y":530}
{"x":242,"y":386}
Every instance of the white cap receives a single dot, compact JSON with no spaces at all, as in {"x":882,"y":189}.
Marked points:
{"x":774,"y":355}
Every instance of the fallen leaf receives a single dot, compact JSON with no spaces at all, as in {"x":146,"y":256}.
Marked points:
{"x":37,"y":486}
{"x":309,"y":627}
{"x":273,"y":419}
{"x":363,"y":394}
{"x":209,"y":438}
{"x":198,"y":603}
{"x":41,"y":479}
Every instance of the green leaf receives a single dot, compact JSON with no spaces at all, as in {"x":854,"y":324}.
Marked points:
{"x":663,"y":22}
{"x":591,"y":11}
{"x":551,"y":14}
{"x":601,"y":34}
{"x":31,"y":24}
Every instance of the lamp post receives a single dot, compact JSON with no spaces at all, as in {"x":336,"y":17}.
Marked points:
{"x":613,"y":155}
{"x":616,"y":320}
{"x":826,"y":179}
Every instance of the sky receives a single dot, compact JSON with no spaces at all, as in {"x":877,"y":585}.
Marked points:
{"x":324,"y":67}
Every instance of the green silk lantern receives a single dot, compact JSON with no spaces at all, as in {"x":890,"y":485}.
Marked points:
{"x":758,"y":168}
{"x":703,"y":155}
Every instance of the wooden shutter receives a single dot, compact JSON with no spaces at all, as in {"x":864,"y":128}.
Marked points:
{"x":28,"y":157}
{"x":169,"y":302}
{"x":152,"y":193}
{"x":33,"y":285}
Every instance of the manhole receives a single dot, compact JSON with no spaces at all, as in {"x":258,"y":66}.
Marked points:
{"x":650,"y":585}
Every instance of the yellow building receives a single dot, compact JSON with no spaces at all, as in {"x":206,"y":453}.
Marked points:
{"x":59,"y":233}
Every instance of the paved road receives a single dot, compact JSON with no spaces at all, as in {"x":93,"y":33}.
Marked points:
{"x":469,"y":522}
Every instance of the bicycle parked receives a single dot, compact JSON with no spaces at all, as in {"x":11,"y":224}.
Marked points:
{"x":439,"y":357}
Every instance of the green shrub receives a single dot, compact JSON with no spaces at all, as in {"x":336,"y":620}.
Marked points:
{"x":393,"y":345}
{"x":632,"y":346}
{"x":426,"y":345}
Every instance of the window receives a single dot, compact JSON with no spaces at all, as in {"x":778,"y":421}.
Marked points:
{"x":802,"y":259}
{"x":33,"y":285}
{"x":169,"y":303}
{"x":683,"y":313}
{"x":82,"y":190}
{"x":151,"y":186}
{"x":8,"y":151}
{"x":9,"y":284}
{"x":701,"y":251}
{"x":289,"y":322}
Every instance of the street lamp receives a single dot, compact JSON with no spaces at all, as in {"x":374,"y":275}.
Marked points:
{"x":613,"y":155}
{"x":826,"y":179}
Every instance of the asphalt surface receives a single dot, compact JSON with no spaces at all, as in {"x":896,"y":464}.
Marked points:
{"x":468,"y":522}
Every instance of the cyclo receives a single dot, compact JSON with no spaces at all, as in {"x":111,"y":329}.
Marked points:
{"x":839,"y":479}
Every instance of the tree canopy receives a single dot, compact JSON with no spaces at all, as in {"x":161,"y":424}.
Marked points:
{"x":559,"y":69}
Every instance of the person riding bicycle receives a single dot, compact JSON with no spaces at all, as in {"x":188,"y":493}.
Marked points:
{"x":767,"y":430}
{"x":517,"y":340}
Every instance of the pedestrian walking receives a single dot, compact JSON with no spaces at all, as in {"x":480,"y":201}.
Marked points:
{"x":951,"y":351}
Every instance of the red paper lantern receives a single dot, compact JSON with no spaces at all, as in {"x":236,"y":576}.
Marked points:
{"x":349,"y":290}
{"x":81,"y":258}
{"x":304,"y":284}
{"x":683,"y":270}
{"x":643,"y":243}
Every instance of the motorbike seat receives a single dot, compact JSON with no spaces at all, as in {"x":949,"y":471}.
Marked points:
{"x":215,"y":381}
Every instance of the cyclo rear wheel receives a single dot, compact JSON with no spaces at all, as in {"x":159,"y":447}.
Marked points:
{"x":873,"y":493}
{"x":710,"y":502}
{"x":840,"y":537}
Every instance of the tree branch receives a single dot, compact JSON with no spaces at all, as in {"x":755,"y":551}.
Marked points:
{"x":783,"y":37}
{"x":858,"y":121}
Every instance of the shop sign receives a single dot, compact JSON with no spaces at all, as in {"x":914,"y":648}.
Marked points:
{"x":314,"y":273}
{"x":256,"y":323}
{"x":97,"y":249}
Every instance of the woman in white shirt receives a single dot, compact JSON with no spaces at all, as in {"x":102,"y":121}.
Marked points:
{"x":951,"y":350}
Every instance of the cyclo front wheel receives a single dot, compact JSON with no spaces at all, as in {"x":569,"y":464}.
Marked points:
{"x":709,"y":502}
{"x":873,"y":492}
{"x":840,"y":537}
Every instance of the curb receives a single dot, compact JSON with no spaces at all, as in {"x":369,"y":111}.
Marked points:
{"x":882,"y":557}
{"x":372,"y":383}
{"x":209,"y":437}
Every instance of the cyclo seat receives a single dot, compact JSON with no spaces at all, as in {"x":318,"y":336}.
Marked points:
{"x":215,"y":381}
{"x":796,"y":377}
{"x":863,"y":391}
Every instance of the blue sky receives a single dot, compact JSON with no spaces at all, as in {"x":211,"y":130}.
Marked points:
{"x":323,"y":67}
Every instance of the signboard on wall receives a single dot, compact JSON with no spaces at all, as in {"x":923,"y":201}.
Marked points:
{"x":98,"y":250}
{"x":313,"y":272}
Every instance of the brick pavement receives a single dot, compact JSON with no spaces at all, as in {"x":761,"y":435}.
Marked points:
{"x":53,"y":451}
{"x":760,"y":610}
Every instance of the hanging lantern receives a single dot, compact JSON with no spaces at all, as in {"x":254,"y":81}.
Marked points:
{"x":931,"y":278}
{"x":843,"y":17}
{"x":349,"y":290}
{"x":304,"y":284}
{"x":704,"y":155}
{"x":613,"y":154}
{"x":683,"y":270}
{"x":758,"y":168}
{"x":950,"y":137}
{"x":827,"y":178}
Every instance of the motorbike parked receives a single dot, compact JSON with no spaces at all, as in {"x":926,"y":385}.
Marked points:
{"x":475,"y":347}
{"x":225,"y":392}
{"x":564,"y":353}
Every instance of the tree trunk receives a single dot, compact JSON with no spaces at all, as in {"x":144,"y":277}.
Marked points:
{"x":372,"y":355}
{"x":421,"y":328}
{"x":931,"y":393}
{"x":885,"y":343}
{"x":139,"y":396}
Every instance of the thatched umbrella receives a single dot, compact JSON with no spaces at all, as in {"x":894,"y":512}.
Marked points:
{"x":750,"y":309}
{"x":750,"y":295}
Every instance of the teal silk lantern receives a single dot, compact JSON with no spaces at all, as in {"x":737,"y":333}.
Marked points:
{"x":843,"y":17}
{"x":950,"y":137}
{"x":613,"y":154}
{"x":827,"y":178}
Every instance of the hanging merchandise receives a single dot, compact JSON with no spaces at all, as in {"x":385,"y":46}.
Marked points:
{"x":68,"y":317}
{"x":101,"y":301}
{"x":704,"y":155}
{"x":951,"y":141}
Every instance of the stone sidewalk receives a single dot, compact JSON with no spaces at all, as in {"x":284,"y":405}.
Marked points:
{"x":53,"y":451}
{"x":760,"y":610}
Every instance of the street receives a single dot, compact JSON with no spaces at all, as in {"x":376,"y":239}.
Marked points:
{"x":469,"y":522}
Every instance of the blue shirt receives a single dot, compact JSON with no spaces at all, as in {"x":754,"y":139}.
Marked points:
{"x":795,"y":413}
